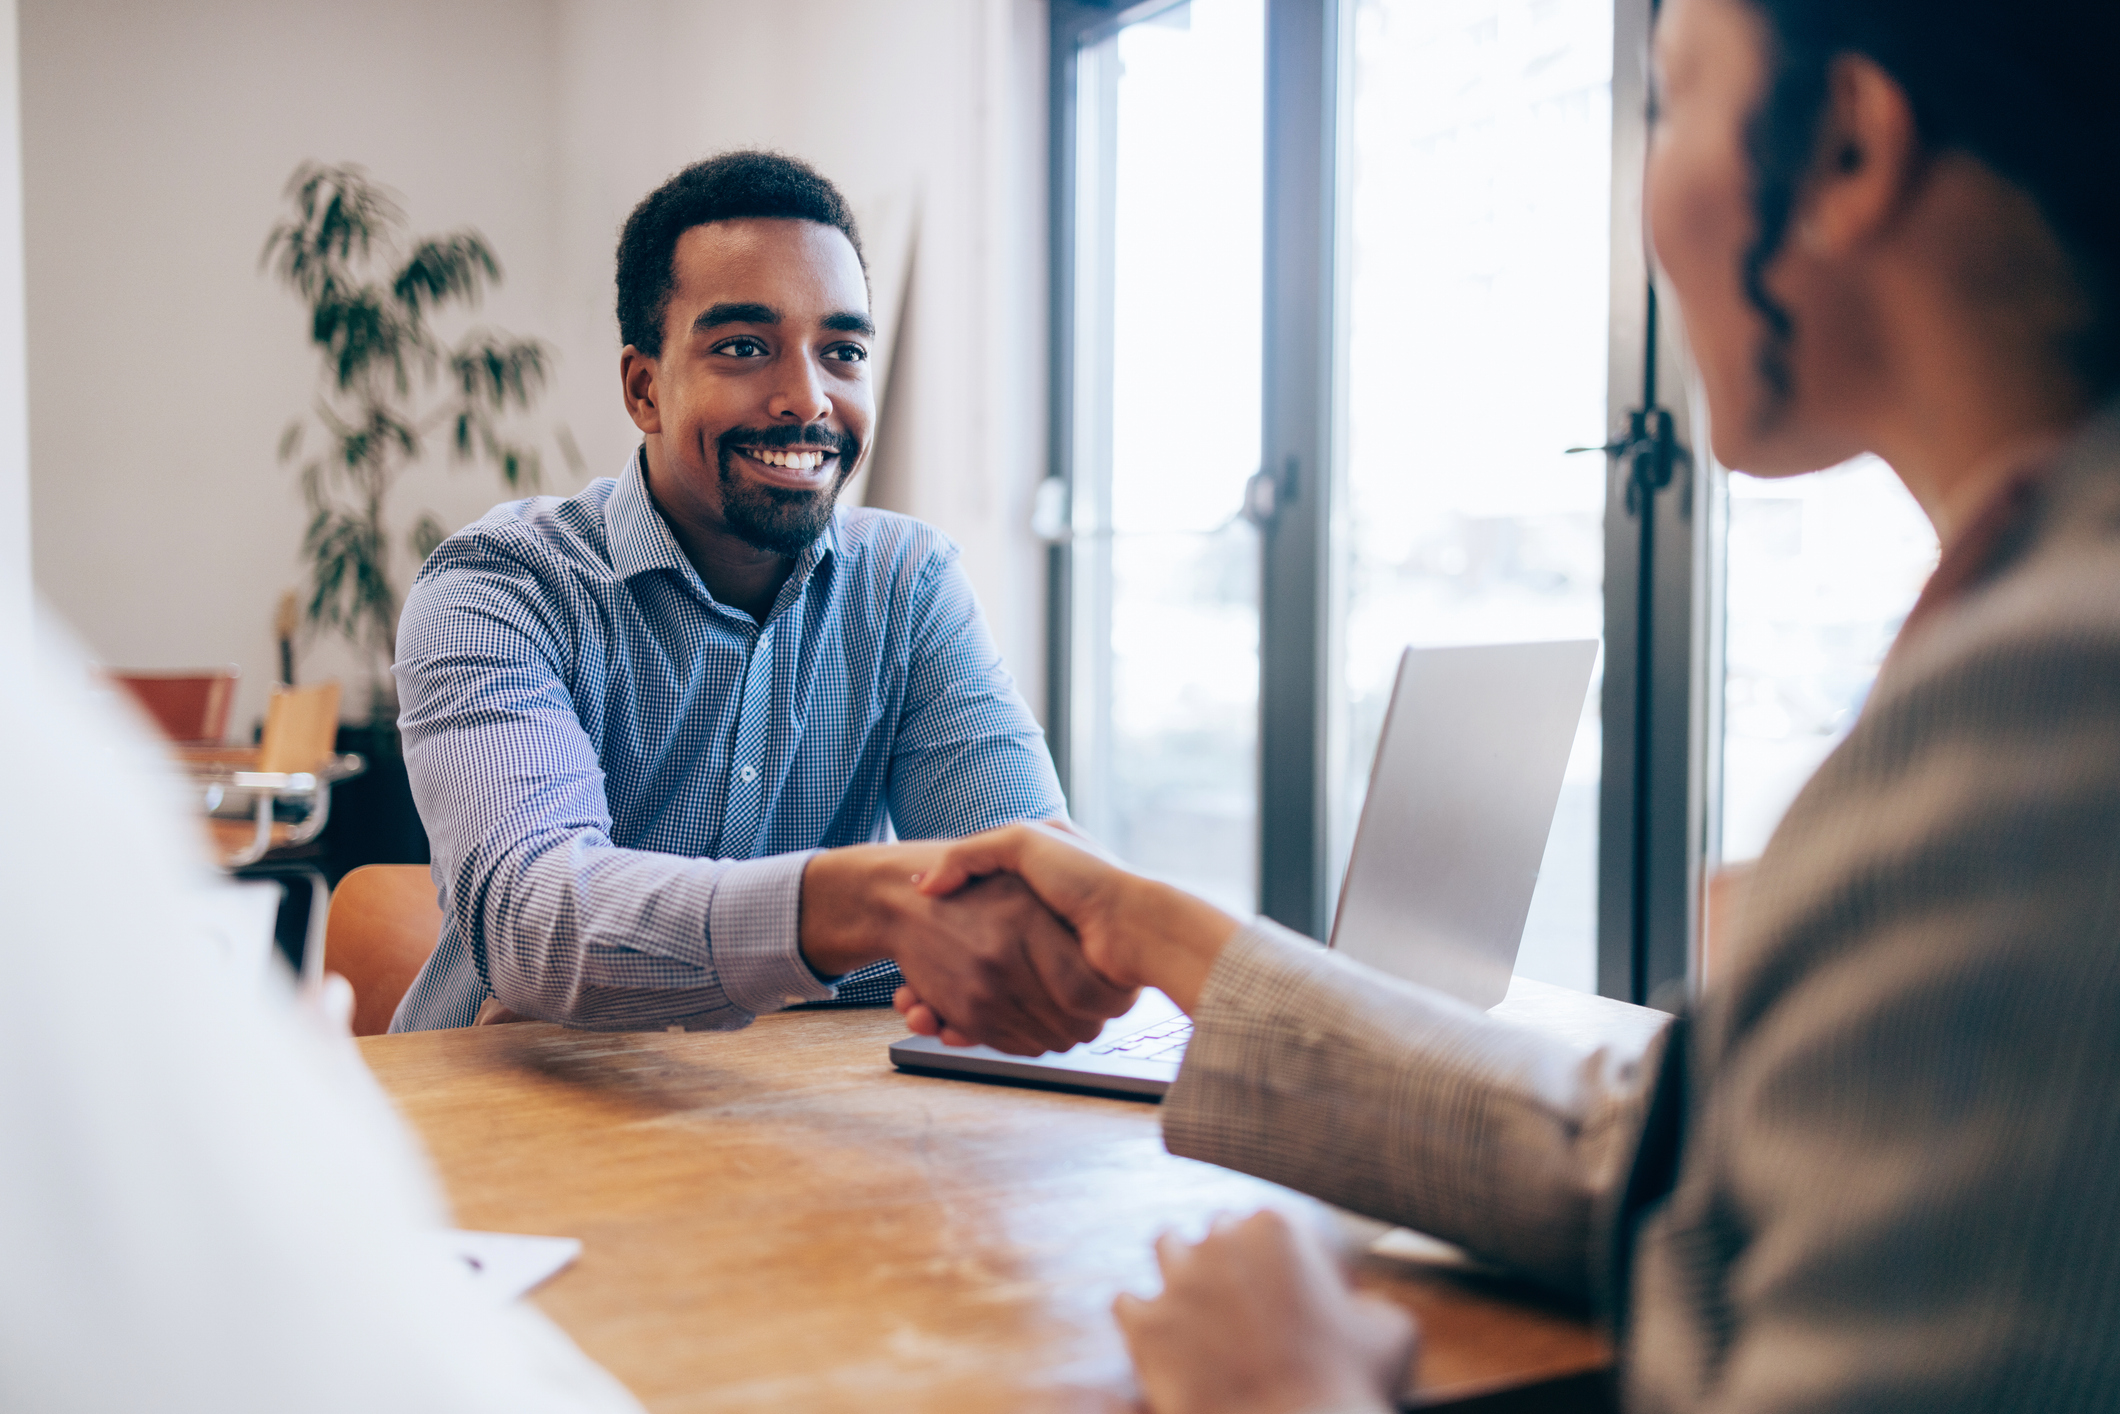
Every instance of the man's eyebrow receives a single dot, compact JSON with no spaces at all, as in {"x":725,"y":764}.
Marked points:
{"x":719,"y":314}
{"x":849,"y":321}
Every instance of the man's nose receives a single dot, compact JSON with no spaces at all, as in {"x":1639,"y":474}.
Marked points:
{"x":799,"y":394}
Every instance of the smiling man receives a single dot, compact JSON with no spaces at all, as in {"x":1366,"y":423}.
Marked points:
{"x":634,"y":717}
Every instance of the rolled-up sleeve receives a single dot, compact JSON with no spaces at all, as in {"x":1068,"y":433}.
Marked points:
{"x":562,"y":924}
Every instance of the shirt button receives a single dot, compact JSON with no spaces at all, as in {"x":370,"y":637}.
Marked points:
{"x":749,"y":774}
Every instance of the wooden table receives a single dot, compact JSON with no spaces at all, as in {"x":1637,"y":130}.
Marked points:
{"x":775,"y":1219}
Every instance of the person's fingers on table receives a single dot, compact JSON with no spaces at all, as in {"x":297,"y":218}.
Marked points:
{"x":1172,"y":1253}
{"x":1257,"y":1318}
{"x":1373,"y":1339}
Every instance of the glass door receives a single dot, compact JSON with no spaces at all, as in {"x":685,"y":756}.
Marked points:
{"x":1479,"y":193}
{"x":1163,"y":665}
{"x":1366,"y":270}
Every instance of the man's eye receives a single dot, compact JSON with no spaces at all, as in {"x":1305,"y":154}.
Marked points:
{"x":745,"y":347}
{"x":848,"y":353}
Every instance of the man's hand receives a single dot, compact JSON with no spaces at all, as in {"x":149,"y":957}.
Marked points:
{"x":994,"y":959}
{"x":1135,"y":932}
{"x":1257,"y":1319}
{"x":1006,"y":972}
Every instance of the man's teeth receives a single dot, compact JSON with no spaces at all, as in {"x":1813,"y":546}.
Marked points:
{"x":794,"y":461}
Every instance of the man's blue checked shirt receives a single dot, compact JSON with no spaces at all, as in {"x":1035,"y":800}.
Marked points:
{"x":622,"y":779}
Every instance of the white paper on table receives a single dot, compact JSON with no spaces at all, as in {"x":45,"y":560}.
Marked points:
{"x":502,"y":1266}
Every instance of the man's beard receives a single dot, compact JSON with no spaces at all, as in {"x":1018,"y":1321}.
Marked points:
{"x":776,"y":518}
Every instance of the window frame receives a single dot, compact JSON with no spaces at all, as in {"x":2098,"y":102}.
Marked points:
{"x":1661,"y":702}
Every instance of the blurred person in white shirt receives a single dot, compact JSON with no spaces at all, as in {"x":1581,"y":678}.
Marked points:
{"x":206,"y":1202}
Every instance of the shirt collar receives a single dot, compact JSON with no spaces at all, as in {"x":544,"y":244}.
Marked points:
{"x":640,"y":539}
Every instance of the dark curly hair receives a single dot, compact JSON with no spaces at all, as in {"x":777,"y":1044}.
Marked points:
{"x":728,"y":187}
{"x":2025,"y":86}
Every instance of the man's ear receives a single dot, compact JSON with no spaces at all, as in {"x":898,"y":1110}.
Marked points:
{"x":636,"y":376}
{"x":1868,"y":161}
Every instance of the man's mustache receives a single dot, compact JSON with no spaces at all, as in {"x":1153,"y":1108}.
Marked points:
{"x":783,"y":435}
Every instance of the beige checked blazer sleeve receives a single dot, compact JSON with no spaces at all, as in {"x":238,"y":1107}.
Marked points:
{"x":1406,"y":1104}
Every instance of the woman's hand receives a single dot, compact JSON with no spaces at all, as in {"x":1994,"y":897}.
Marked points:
{"x":1257,"y":1319}
{"x":1082,"y":887}
{"x":1134,"y":932}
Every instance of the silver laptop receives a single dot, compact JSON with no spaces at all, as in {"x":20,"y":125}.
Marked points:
{"x":1461,"y":798}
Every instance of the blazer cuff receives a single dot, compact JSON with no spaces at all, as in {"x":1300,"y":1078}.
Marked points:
{"x":1260,"y":950}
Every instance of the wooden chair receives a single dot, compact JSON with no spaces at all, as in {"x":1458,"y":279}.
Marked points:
{"x":190,"y":707}
{"x":293,"y":762}
{"x":301,"y":723}
{"x":384,"y":926}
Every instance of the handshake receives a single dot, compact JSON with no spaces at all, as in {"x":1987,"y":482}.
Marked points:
{"x":1025,"y":938}
{"x":1028,"y":940}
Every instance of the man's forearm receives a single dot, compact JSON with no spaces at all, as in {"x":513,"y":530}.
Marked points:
{"x":588,"y":934}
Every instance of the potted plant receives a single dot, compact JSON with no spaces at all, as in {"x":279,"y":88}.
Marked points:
{"x":388,"y":386}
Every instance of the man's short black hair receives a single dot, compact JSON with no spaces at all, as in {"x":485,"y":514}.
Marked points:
{"x":729,"y":187}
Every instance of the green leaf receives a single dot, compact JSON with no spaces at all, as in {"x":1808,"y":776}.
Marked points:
{"x":361,"y":335}
{"x":369,"y":291}
{"x":338,"y":214}
{"x":492,"y":368}
{"x":519,"y":466}
{"x":445,"y":268}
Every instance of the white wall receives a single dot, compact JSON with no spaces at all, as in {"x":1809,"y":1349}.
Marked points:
{"x":164,"y":363}
{"x":157,"y":135}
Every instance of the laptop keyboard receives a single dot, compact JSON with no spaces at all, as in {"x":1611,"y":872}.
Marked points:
{"x":1162,"y":1041}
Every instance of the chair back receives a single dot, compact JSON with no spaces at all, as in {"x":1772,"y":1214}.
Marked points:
{"x":191,"y":707}
{"x":301,"y":726}
{"x":384,"y":925}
